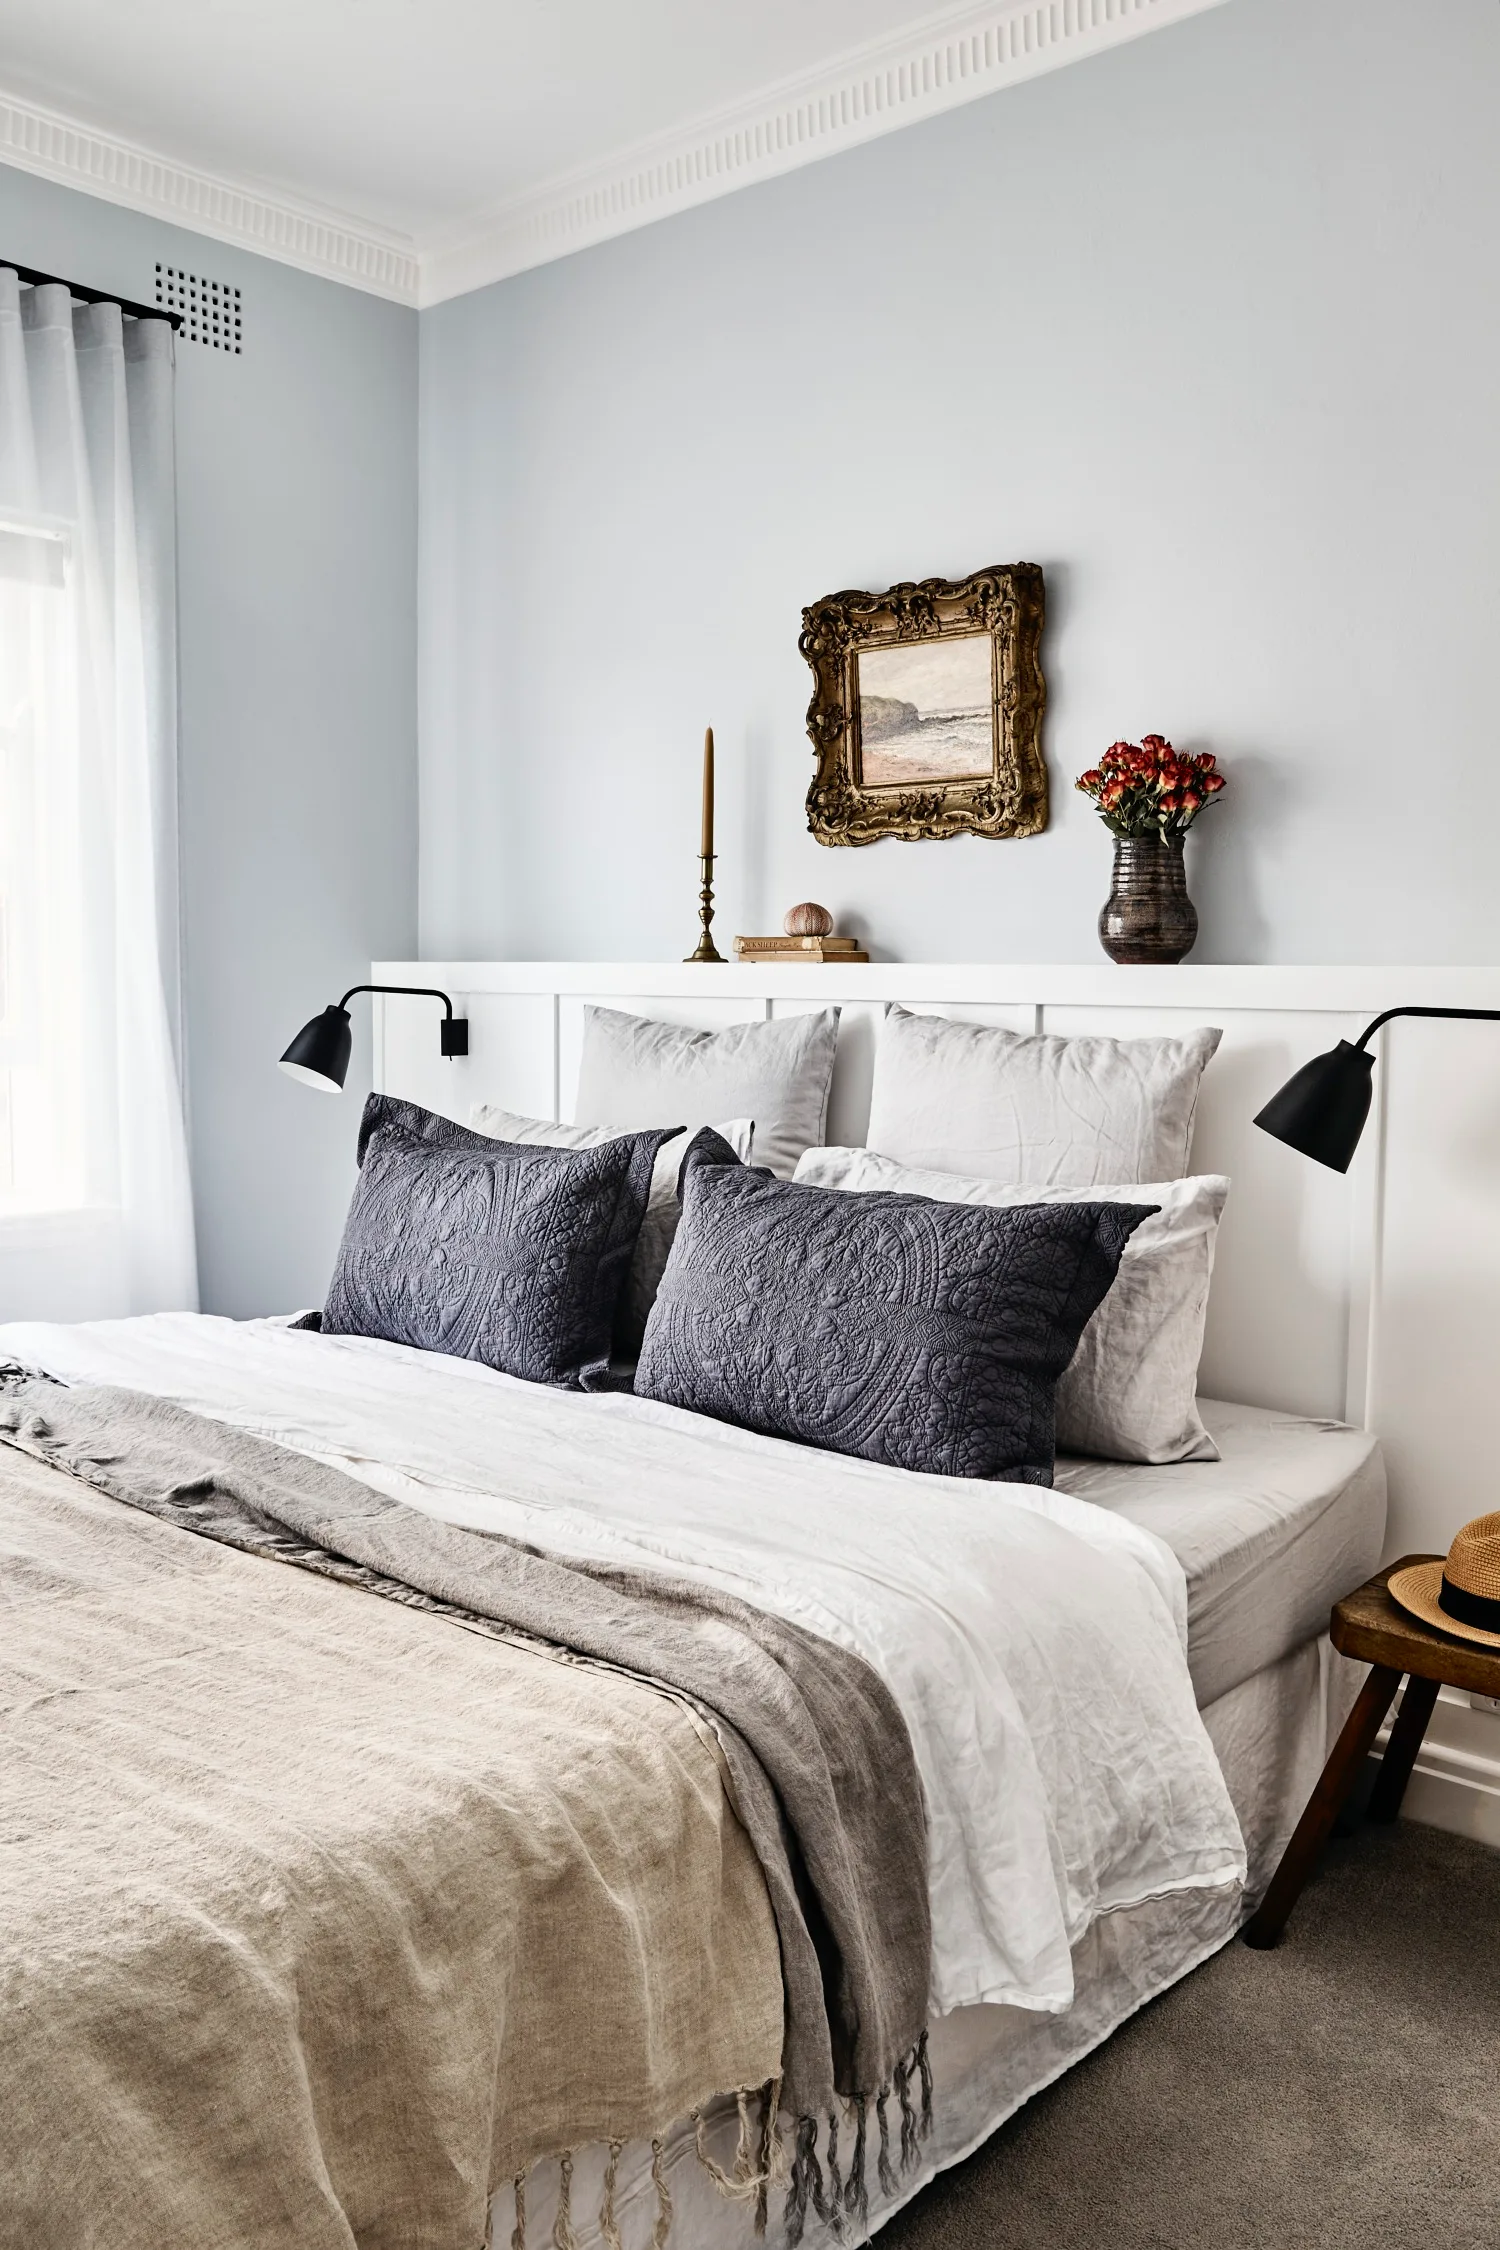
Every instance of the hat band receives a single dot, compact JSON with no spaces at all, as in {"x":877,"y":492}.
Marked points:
{"x":1469,"y":1609}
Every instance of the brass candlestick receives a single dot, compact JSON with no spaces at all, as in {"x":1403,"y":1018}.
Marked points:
{"x":706,"y":949}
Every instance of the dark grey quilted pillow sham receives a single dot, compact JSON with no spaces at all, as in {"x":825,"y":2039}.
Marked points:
{"x":487,"y":1250}
{"x":926,"y":1335}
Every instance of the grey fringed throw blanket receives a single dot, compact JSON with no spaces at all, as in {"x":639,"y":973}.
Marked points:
{"x":818,"y":1762}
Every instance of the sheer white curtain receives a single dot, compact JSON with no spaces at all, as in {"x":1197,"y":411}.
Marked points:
{"x":95,"y":1209}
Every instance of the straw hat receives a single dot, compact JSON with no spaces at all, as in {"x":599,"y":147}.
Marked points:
{"x":1462,"y":1595}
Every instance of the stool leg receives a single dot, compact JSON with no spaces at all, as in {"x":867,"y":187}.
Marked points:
{"x":1401,"y":1750}
{"x":1305,"y":1849}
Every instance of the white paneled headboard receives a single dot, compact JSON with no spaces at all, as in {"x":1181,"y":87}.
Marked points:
{"x":1373,"y":1299}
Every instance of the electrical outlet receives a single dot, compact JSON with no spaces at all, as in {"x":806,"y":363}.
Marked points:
{"x":1484,"y":1702}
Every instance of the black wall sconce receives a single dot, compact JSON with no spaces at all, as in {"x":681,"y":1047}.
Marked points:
{"x":319,"y":1055}
{"x":1321,"y":1110}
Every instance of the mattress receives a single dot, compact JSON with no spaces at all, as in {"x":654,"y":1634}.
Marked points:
{"x":1270,"y":1535}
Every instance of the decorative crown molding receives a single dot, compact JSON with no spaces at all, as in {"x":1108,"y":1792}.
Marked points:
{"x":277,"y":226}
{"x":947,"y":59}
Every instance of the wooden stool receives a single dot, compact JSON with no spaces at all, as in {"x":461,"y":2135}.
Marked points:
{"x":1369,"y":1626}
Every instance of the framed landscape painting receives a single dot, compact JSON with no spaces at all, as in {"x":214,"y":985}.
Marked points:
{"x":927,"y":708}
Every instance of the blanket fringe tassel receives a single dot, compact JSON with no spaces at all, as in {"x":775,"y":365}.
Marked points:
{"x":609,"y":2226}
{"x":856,"y":2188}
{"x":563,"y":2237}
{"x":663,"y":2226}
{"x":883,"y":2171}
{"x":840,"y":2198}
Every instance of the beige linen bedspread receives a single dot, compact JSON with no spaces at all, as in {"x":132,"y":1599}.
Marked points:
{"x":318,"y":1913}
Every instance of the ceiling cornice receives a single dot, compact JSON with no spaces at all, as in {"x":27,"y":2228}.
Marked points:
{"x":947,"y":59}
{"x":955,"y":56}
{"x":255,"y":218}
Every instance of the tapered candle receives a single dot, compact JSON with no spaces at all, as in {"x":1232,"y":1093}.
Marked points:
{"x":708,"y":794}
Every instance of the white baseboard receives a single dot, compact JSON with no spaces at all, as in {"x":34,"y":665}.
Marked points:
{"x":1455,"y":1783}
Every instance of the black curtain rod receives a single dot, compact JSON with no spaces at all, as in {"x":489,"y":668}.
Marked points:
{"x":92,"y":296}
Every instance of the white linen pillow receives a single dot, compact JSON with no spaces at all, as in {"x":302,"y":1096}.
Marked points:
{"x":779,"y":1073}
{"x":1033,"y":1110}
{"x":654,"y":1242}
{"x":1130,"y":1391}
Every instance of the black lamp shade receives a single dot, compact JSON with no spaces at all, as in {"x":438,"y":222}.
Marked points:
{"x":1321,"y":1110}
{"x":319,"y":1055}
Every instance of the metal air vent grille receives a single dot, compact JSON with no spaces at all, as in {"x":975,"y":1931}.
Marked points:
{"x":211,"y":312}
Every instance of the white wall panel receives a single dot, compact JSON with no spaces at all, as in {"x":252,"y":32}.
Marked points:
{"x":1435,"y":1382}
{"x":510,"y":1058}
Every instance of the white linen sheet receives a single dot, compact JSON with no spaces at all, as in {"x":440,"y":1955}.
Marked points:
{"x":1034,"y":1643}
{"x":1271,"y":1535}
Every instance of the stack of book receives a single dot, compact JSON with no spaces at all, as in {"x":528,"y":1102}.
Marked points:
{"x":798,"y":949}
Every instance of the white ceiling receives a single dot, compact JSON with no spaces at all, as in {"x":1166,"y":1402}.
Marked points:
{"x":423,"y":122}
{"x":413,"y":112}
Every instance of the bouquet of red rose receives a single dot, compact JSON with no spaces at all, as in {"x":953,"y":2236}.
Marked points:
{"x":1146,"y":789}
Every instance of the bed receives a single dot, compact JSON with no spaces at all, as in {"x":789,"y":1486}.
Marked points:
{"x":651,"y":1772}
{"x":1264,"y":1538}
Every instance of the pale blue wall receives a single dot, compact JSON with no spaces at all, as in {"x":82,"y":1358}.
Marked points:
{"x":297,"y":575}
{"x":1208,"y":326}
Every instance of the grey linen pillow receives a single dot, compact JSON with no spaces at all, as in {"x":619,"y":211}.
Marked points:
{"x":462,"y":1244}
{"x":926,"y":1335}
{"x":1034,"y":1111}
{"x":634,"y":1070}
{"x":1129,"y":1393}
{"x":660,"y":1222}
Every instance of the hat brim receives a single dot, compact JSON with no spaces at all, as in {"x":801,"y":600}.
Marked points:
{"x":1416,"y":1589}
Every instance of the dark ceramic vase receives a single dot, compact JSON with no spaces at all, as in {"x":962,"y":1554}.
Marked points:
{"x":1148,"y":915}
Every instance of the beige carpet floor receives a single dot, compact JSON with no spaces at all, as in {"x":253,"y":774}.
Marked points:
{"x":1342,"y":2091}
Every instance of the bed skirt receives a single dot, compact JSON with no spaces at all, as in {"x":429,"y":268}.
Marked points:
{"x":1271,"y":1735}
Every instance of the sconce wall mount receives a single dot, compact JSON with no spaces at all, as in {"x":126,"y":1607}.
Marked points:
{"x":319,"y":1055}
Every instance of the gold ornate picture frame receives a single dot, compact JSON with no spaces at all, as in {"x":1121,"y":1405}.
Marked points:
{"x":926,"y":715}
